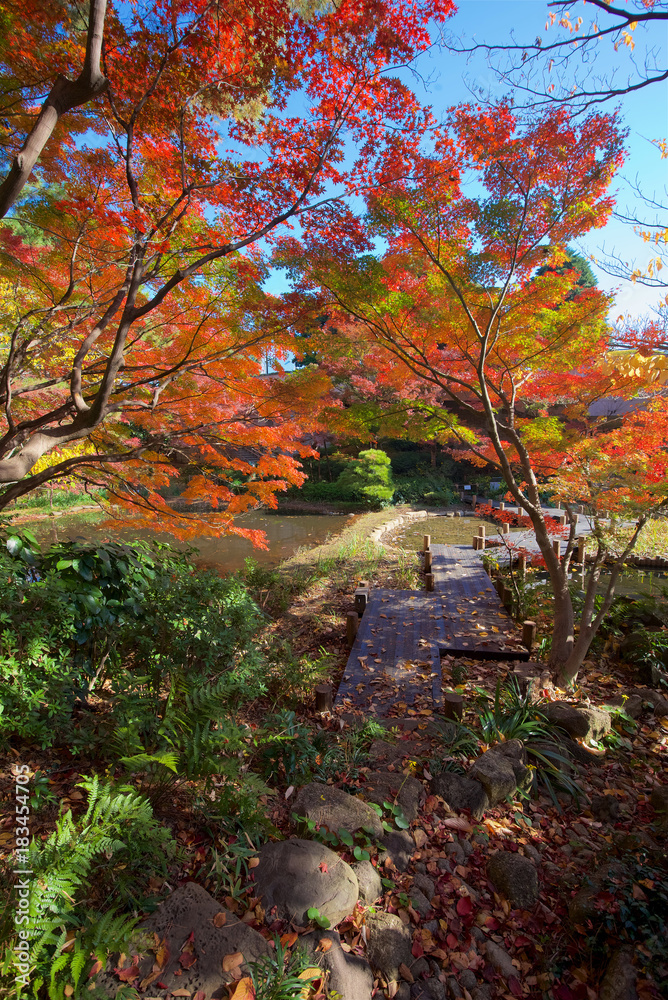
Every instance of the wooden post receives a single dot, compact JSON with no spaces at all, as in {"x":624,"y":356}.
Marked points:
{"x":481,"y":530}
{"x":427,"y":561}
{"x":499,"y":586}
{"x":476,"y":542}
{"x":352,"y":624}
{"x":522,"y":565}
{"x":426,"y":543}
{"x":474,"y":500}
{"x":361,"y":600}
{"x":563,"y":519}
{"x":528,"y":634}
{"x":505,"y":528}
{"x":508,"y":600}
{"x":429,"y":581}
{"x":556,"y":547}
{"x":362,"y":583}
{"x":323,"y":698}
{"x":502,"y":505}
{"x":582,"y":541}
{"x":453,"y":705}
{"x":558,"y":505}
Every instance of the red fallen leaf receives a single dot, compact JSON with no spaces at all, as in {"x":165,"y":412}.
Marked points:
{"x":96,"y":968}
{"x":323,"y":867}
{"x":464,"y":906}
{"x":187,"y":959}
{"x":417,"y":950}
{"x":515,"y":986}
{"x":521,"y":941}
{"x":200,"y":995}
{"x":451,"y":941}
{"x":562,"y":992}
{"x":127,"y":975}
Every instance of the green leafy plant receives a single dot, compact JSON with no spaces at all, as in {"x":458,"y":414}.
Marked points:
{"x":283,"y":975}
{"x":369,"y":477}
{"x":86,"y":862}
{"x":314,"y":914}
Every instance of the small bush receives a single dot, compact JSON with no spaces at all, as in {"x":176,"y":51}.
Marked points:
{"x":370,"y":477}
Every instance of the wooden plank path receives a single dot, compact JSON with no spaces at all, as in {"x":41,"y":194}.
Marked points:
{"x":395,"y":662}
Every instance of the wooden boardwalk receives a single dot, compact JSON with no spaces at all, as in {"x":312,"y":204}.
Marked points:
{"x":394,"y":666}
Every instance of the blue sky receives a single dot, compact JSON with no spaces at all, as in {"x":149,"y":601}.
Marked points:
{"x":449,"y":78}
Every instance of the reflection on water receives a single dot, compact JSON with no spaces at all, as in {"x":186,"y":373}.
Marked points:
{"x":285,"y":534}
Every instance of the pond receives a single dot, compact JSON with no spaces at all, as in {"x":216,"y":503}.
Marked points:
{"x":285,"y":534}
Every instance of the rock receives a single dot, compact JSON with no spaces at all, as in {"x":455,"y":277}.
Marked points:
{"x":631,"y":704}
{"x":500,"y":959}
{"x":350,"y":977}
{"x":455,"y":991}
{"x":434,"y":989}
{"x":515,"y":877}
{"x":420,"y":967}
{"x":659,"y":799}
{"x":578,"y":721}
{"x":605,"y":808}
{"x":483,"y":992}
{"x":400,"y":846}
{"x":461,"y":793}
{"x":336,"y":810}
{"x":425,"y":884}
{"x":383,"y":752}
{"x":478,"y":933}
{"x":619,"y":981}
{"x":290,"y":877}
{"x":468,"y":980}
{"x":531,"y":853}
{"x":500,"y":770}
{"x":190,"y":909}
{"x":385,"y":786}
{"x":582,"y":906}
{"x":420,"y":902}
{"x":658,"y":701}
{"x":388,"y":943}
{"x":368,"y":880}
{"x":466,"y":846}
{"x":455,"y":849}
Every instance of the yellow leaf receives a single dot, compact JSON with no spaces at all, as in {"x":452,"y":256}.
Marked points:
{"x":243,"y":990}
{"x":232,"y":961}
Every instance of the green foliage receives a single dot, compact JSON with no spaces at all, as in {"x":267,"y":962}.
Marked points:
{"x":109,"y":848}
{"x":370,"y":477}
{"x":427,"y":487}
{"x":164,"y":651}
{"x":515,"y":717}
{"x":277,"y":976}
{"x":314,"y":914}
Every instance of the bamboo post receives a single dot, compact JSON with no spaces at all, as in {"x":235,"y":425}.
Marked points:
{"x":323,"y":698}
{"x":505,"y":528}
{"x":453,"y":705}
{"x":502,"y":505}
{"x":361,"y":600}
{"x":429,"y":581}
{"x":582,"y":541}
{"x":474,"y":500}
{"x":352,"y":625}
{"x":481,"y":530}
{"x":563,"y":519}
{"x":528,"y":634}
{"x":426,"y":543}
{"x":522,"y":565}
{"x":556,"y":547}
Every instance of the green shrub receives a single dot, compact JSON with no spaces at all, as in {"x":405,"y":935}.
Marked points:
{"x":369,"y":477}
{"x":429,"y":488}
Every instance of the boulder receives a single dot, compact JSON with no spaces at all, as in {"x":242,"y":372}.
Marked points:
{"x":578,"y":721}
{"x":388,"y":943}
{"x":368,"y":880}
{"x":500,"y":959}
{"x":400,"y":847}
{"x":461,"y":793}
{"x":216,"y":933}
{"x":605,"y":808}
{"x":295,"y":875}
{"x":501,"y":770}
{"x":425,"y":884}
{"x":582,"y":906}
{"x":515,"y":877}
{"x":350,"y":977}
{"x":420,"y":902}
{"x":387,"y":786}
{"x":631,"y":704}
{"x":658,"y":701}
{"x":619,"y":981}
{"x":337,"y":810}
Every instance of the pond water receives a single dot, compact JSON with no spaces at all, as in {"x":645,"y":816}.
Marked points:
{"x":285,"y":534}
